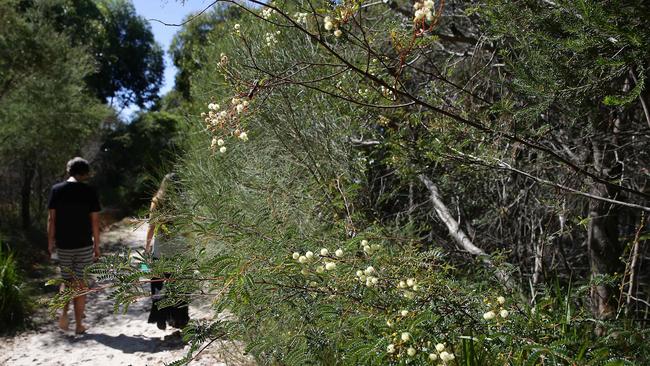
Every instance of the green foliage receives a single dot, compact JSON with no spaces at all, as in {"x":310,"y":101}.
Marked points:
{"x":134,"y":156}
{"x":301,"y":190}
{"x":14,"y":301}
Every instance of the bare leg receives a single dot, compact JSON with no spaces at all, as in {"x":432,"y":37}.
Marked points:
{"x":64,"y":322}
{"x":79,"y":307}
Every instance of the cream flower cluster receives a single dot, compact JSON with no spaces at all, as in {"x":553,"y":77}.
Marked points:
{"x":237,"y":28}
{"x":424,"y":10}
{"x":301,"y":17}
{"x":369,"y":249}
{"x":368,"y":276}
{"x":386,"y":92}
{"x":491,"y":314}
{"x":325,"y":257}
{"x":406,"y":342}
{"x":270,"y":38}
{"x":329,"y":25}
{"x":267,"y":13}
{"x":409,"y":288}
{"x":216,"y":119}
{"x":441,"y":354}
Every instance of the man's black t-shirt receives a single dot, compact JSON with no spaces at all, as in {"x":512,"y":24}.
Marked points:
{"x":73,"y":202}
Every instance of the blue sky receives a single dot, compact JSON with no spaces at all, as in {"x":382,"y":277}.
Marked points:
{"x":168,"y":11}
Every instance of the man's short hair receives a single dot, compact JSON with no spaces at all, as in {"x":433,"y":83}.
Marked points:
{"x":78,"y":167}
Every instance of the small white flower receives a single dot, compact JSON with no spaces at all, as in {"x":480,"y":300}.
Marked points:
{"x":359,"y":273}
{"x":446,"y":356}
{"x":416,"y":287}
{"x":375,"y":280}
{"x":330,"y":266}
{"x":339,"y":252}
{"x":240,"y":108}
{"x":369,"y":270}
{"x":237,"y":26}
{"x":222,"y":150}
{"x":364,"y":242}
{"x":411,"y":351}
{"x":220,"y":142}
{"x":295,"y":255}
{"x":489,"y":315}
{"x":440,"y":347}
{"x":433,"y":356}
{"x":410,"y":282}
{"x":406,"y":336}
{"x":328,"y":23}
{"x":401,"y":284}
{"x":404,"y":312}
{"x":309,"y":254}
{"x":243,"y":136}
{"x":338,"y":33}
{"x":213,"y":106}
{"x":324,"y":252}
{"x":501,"y":300}
{"x":504,"y":313}
{"x":302,"y":259}
{"x":390,"y":348}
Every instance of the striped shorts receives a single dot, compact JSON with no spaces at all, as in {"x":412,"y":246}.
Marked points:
{"x":73,"y":262}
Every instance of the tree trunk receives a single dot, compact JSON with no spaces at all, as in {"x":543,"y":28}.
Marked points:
{"x":459,"y":235}
{"x":603,"y":229}
{"x":26,"y":196}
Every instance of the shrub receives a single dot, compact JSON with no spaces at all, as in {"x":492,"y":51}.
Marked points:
{"x":14,"y":301}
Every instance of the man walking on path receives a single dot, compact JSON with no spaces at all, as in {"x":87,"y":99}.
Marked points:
{"x":73,"y":231}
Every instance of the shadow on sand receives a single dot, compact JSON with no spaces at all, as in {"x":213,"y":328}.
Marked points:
{"x":129,"y":344}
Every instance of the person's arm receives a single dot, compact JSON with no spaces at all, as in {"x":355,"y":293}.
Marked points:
{"x":94,"y":219}
{"x":51,"y":230}
{"x":151,"y":229}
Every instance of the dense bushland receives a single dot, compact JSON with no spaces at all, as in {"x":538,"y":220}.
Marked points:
{"x":417,"y":182}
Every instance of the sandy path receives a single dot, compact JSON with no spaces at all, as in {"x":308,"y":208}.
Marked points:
{"x":113,"y":339}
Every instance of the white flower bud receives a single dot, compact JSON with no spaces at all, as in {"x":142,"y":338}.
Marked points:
{"x":359,"y":273}
{"x":446,"y":356}
{"x":375,"y":280}
{"x":222,"y":150}
{"x":243,"y":136}
{"x":401,"y":284}
{"x":330,"y":266}
{"x":390,"y":348}
{"x":433,"y":356}
{"x":416,"y":287}
{"x":411,"y":351}
{"x":406,"y":336}
{"x":440,"y":347}
{"x":338,"y":33}
{"x":240,"y":108}
{"x":220,"y":142}
{"x":309,"y":254}
{"x":501,"y":300}
{"x":410,"y":282}
{"x":295,"y":255}
{"x":404,"y":312}
{"x":364,"y":242}
{"x":489,"y":315}
{"x":504,"y":313}
{"x":339,"y":252}
{"x":324,"y":252}
{"x":302,"y":259}
{"x":369,"y":270}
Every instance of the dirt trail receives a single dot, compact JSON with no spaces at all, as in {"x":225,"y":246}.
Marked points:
{"x":113,"y":339}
